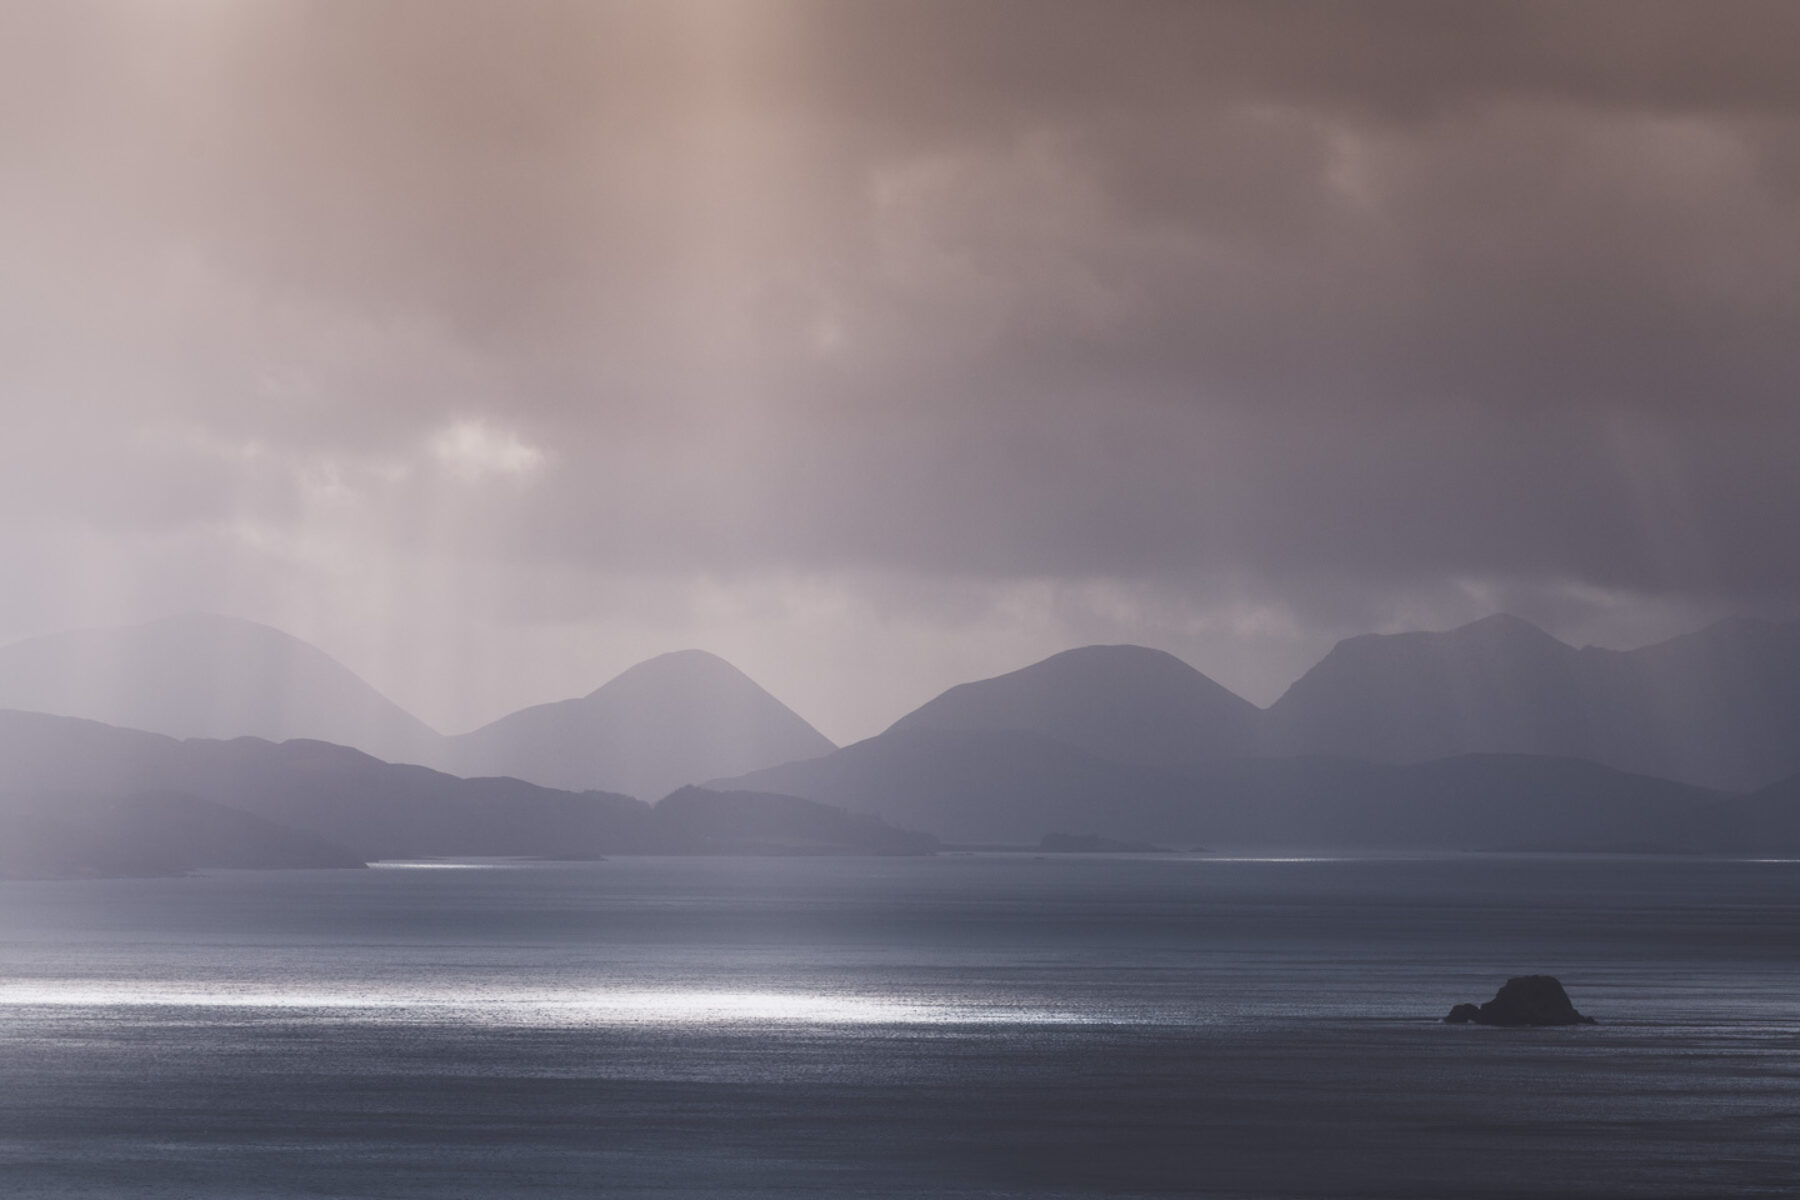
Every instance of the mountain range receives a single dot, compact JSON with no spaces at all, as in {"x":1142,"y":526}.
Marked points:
{"x":1494,"y":734}
{"x":79,"y":794}
{"x":1010,"y":786}
{"x":676,"y":719}
{"x":1719,"y":708}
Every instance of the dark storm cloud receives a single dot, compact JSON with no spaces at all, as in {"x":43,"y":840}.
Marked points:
{"x":1340,"y":309}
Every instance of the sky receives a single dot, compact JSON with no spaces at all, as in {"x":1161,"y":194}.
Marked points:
{"x":880,"y":346}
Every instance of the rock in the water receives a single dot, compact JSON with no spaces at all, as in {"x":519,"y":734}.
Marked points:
{"x":1524,"y":1000}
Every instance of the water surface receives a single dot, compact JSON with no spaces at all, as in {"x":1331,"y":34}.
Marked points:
{"x":957,"y":1026}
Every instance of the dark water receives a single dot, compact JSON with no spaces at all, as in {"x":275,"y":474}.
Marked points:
{"x":958,"y":1026}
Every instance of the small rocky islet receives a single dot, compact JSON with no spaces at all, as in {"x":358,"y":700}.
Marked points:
{"x":1522,"y":1000}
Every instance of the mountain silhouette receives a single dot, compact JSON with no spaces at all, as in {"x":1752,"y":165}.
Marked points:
{"x":981,"y":785}
{"x":676,"y":719}
{"x":1015,"y":787}
{"x":91,"y":798}
{"x":1720,"y":707}
{"x":202,"y":675}
{"x":1499,"y":686}
{"x":1126,"y":703}
{"x":372,"y":808}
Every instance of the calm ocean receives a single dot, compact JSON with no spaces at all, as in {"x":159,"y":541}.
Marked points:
{"x":957,"y":1026}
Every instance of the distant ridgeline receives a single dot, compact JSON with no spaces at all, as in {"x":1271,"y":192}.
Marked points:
{"x":1494,"y":736}
{"x":1719,"y":708}
{"x":678,"y":719}
{"x":81,"y":798}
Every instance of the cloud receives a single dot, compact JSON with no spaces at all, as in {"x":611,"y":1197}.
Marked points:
{"x":1337,"y":315}
{"x":472,"y":450}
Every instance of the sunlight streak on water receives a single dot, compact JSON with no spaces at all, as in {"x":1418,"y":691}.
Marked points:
{"x":400,"y":864}
{"x":899,"y":1028}
{"x":598,"y":1006}
{"x":1263,"y":858}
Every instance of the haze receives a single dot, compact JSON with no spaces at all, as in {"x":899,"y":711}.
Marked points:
{"x":880,"y":347}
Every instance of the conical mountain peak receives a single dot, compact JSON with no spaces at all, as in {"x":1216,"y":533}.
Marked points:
{"x":677,"y":668}
{"x":676,"y":719}
{"x":1128,"y":703}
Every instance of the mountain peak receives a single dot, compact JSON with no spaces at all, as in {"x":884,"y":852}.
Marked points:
{"x":1128,"y":703}
{"x":1502,"y":625}
{"x":1497,"y":685}
{"x":1117,"y":654}
{"x":202,"y":674}
{"x":1493,"y":629}
{"x":679,"y":668}
{"x":679,"y":718}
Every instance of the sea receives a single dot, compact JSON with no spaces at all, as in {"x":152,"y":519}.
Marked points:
{"x":965,"y":1025}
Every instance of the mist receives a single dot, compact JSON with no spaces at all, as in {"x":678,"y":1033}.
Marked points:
{"x":495,"y":350}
